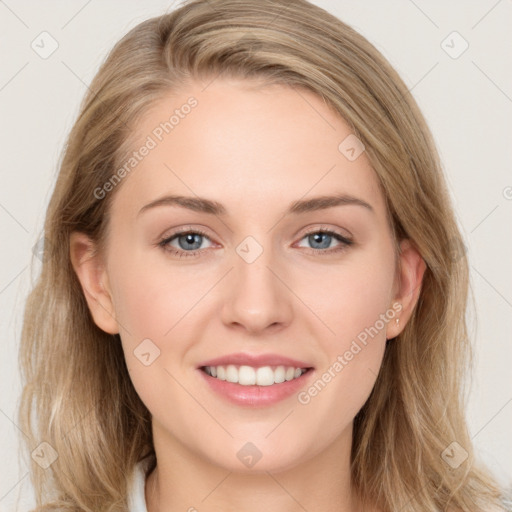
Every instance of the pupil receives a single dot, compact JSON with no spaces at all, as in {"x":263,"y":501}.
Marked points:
{"x":317,"y":239}
{"x":190,"y":239}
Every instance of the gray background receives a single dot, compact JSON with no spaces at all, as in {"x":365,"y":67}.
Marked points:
{"x":467,"y":102}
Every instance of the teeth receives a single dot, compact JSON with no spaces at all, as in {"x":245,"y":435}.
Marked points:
{"x":246,"y":376}
{"x":249,"y":376}
{"x":231,"y":373}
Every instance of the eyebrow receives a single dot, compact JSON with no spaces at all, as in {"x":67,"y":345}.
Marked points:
{"x":203,"y":205}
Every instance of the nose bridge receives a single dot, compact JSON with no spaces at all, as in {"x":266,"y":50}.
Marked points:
{"x":256,"y":297}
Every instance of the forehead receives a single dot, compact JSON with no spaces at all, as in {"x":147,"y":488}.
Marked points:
{"x":251,"y":148}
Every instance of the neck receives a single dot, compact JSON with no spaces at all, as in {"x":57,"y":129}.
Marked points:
{"x":184,"y":481}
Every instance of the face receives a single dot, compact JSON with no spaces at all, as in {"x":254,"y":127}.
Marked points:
{"x":253,"y":277}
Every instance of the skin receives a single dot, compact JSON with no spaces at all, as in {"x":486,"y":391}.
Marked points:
{"x":255,"y":150}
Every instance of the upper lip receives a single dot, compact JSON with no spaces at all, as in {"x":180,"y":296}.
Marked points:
{"x":255,"y":360}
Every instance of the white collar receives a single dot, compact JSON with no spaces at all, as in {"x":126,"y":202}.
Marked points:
{"x":136,"y":493}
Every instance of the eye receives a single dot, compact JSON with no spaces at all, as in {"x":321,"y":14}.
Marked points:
{"x":189,"y":242}
{"x":184,"y":243}
{"x":321,"y":240}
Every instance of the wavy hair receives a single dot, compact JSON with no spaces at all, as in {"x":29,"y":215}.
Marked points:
{"x":78,"y":396}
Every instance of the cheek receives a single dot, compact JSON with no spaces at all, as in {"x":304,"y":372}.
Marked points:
{"x":352,"y":299}
{"x":153,"y":305}
{"x":150,"y":300}
{"x":356,"y":306}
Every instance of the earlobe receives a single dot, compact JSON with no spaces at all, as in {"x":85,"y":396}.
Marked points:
{"x":93,"y":278}
{"x":409,"y":280}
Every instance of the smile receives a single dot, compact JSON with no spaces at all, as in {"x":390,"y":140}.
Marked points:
{"x":254,"y":376}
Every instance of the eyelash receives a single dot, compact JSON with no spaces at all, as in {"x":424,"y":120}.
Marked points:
{"x":345,"y":242}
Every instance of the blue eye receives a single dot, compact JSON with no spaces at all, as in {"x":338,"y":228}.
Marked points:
{"x":190,"y":242}
{"x":321,"y":241}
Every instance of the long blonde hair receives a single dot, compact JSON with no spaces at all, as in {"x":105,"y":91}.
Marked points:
{"x":78,"y":396}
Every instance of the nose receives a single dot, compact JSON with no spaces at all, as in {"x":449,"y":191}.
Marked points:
{"x":257,"y":296}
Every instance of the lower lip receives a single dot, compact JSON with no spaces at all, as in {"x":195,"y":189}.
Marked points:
{"x":256,"y":396}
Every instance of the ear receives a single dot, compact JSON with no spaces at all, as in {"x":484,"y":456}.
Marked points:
{"x":91,"y":273}
{"x":409,"y":277}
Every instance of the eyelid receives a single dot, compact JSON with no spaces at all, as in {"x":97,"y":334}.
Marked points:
{"x":315,"y":228}
{"x":344,"y":240}
{"x":171,"y":233}
{"x":165,"y":239}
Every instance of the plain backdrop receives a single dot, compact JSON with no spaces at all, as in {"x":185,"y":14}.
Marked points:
{"x":465,"y":94}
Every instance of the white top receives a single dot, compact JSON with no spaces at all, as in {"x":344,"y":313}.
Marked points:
{"x":137,"y":498}
{"x":136,"y":495}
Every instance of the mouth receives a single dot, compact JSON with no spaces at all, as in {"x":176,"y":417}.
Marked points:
{"x":255,"y":380}
{"x":245,"y":375}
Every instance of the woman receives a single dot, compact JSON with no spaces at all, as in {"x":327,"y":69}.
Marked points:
{"x":253,"y":284}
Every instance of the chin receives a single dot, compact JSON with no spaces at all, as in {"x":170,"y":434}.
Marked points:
{"x":258,"y":457}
